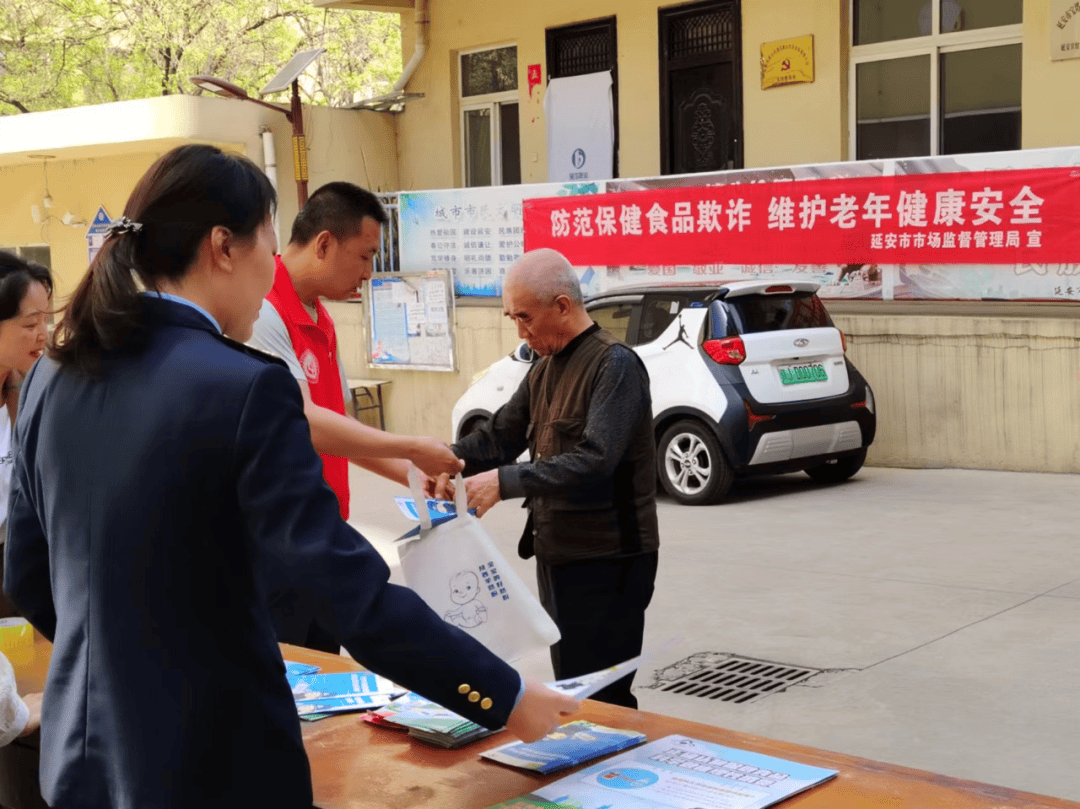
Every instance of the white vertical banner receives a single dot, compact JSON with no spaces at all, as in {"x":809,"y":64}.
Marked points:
{"x":580,"y":128}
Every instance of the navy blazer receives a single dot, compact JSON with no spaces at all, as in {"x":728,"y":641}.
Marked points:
{"x":151,"y":507}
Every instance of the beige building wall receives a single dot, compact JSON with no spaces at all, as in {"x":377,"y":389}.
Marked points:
{"x":1051,"y":116}
{"x":99,"y":154}
{"x":76,"y":186}
{"x":782,"y":126}
{"x":977,"y":392}
{"x":800,"y":123}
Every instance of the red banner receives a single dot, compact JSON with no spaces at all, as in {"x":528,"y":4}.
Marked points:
{"x":992,"y":217}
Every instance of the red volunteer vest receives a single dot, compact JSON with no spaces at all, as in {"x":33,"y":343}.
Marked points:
{"x":315,"y":345}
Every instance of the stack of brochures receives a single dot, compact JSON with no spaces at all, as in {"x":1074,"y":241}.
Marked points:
{"x":320,"y":695}
{"x":572,"y":744}
{"x":427,"y":721}
{"x":676,"y":772}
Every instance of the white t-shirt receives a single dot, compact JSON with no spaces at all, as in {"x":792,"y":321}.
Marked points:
{"x":6,"y":462}
{"x":13,"y":711}
{"x":271,"y":336}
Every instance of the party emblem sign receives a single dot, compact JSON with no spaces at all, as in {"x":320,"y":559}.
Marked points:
{"x":787,"y":61}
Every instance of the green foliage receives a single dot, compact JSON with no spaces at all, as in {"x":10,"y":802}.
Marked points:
{"x":64,"y":53}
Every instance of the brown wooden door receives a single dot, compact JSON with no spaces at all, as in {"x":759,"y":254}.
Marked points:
{"x":700,"y":88}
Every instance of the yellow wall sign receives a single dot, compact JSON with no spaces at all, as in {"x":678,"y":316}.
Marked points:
{"x":787,"y":61}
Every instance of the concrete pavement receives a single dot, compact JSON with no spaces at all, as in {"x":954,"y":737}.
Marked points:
{"x":942,"y":606}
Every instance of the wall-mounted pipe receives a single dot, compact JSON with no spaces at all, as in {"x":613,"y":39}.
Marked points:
{"x":422,"y":18}
{"x":269,"y":156}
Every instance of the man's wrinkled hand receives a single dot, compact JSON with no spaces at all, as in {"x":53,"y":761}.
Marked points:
{"x":435,"y":458}
{"x":439,"y":488}
{"x":483,"y":491}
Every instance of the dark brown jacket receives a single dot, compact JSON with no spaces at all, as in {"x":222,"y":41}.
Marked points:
{"x":585,"y":415}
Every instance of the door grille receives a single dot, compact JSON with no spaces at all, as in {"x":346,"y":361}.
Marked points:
{"x":703,"y":33}
{"x":583,"y":54}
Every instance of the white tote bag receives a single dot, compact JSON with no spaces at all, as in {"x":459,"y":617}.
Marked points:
{"x":457,"y":570}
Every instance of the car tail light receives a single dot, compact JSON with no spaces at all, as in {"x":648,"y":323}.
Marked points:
{"x":859,"y":404}
{"x":778,"y":288}
{"x":843,"y":341}
{"x":752,"y":418}
{"x":729,"y":351}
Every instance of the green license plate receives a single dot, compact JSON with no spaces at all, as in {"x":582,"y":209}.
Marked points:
{"x":797,"y":374}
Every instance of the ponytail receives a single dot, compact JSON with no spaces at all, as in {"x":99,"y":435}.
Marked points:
{"x":104,"y":310}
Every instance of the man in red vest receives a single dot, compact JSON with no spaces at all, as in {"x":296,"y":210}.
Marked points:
{"x":329,"y":254}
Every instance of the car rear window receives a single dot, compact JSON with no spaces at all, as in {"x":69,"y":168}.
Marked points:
{"x":757,"y":313}
{"x":613,"y":317}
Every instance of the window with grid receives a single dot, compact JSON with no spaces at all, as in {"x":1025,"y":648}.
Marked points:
{"x":490,"y":130}
{"x":935,"y":77}
{"x":588,"y":47}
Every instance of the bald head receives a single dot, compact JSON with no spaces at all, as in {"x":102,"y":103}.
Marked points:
{"x":541,"y":294}
{"x":547,"y":274}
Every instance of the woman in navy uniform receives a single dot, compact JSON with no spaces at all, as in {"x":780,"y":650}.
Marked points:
{"x":164,"y":477}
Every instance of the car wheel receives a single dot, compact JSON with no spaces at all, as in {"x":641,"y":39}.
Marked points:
{"x":692,"y":467}
{"x":838,"y":469}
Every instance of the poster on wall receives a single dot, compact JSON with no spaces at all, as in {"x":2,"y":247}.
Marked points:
{"x":1064,"y":30}
{"x":95,"y":234}
{"x":580,"y":128}
{"x":991,"y":272}
{"x":474,"y":234}
{"x":411,"y":321}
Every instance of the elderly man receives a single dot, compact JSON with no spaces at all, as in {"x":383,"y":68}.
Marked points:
{"x":585,"y":414}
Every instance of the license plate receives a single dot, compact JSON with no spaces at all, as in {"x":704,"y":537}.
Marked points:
{"x":797,"y":374}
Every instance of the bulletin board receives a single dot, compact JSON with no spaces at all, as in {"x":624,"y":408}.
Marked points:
{"x":410,"y":321}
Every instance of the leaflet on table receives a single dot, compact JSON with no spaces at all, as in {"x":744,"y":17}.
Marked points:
{"x":294,"y":670}
{"x":342,"y":684}
{"x":318,"y":708}
{"x":677,"y":772}
{"x":569,"y":745}
{"x":415,"y":711}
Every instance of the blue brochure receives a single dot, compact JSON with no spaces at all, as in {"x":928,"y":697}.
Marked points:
{"x":308,"y":687}
{"x":677,"y":772}
{"x":572,"y":744}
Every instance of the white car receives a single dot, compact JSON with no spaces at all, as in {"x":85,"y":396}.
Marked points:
{"x":746,"y":378}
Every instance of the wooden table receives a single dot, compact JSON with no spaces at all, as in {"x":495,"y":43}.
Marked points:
{"x":357,"y":766}
{"x":362,"y":388}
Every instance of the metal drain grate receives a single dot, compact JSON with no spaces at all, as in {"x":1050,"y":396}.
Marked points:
{"x":730,"y":678}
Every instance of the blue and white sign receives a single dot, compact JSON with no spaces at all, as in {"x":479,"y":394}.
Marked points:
{"x":474,"y":233}
{"x":95,"y":234}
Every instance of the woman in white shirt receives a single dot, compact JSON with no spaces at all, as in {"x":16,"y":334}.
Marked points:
{"x":19,"y":716}
{"x":25,"y":302}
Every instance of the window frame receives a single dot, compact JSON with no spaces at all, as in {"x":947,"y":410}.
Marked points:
{"x":491,"y":102}
{"x":934,"y":46}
